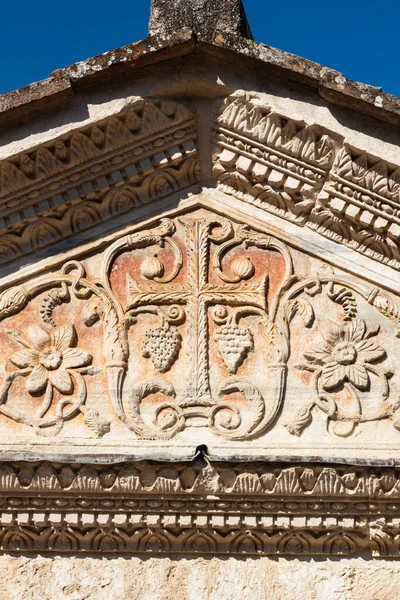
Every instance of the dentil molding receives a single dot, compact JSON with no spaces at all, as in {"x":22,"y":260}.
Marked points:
{"x":89,"y":176}
{"x":309,"y":176}
{"x":199,"y":508}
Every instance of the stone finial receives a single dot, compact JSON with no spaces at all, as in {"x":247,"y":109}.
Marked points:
{"x":203,"y":16}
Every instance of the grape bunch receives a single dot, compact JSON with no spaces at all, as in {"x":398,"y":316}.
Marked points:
{"x":234,"y":343}
{"x":162,"y":345}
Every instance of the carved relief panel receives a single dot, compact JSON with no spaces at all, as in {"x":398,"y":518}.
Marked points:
{"x":199,"y":329}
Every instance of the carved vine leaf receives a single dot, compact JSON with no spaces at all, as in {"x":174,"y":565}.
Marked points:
{"x":162,"y":345}
{"x":301,"y":418}
{"x":388,"y":306}
{"x":167,"y":423}
{"x":238,"y":427}
{"x":234,"y":343}
{"x":303,"y":308}
{"x":278,"y":341}
{"x":98,"y":424}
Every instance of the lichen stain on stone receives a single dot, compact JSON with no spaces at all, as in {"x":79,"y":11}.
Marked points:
{"x":219,"y":38}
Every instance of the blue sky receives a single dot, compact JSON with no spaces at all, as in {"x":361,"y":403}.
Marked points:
{"x":359,"y":38}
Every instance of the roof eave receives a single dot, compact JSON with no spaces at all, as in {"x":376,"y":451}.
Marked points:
{"x":332,"y":86}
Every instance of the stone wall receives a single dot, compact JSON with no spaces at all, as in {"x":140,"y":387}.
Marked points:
{"x":66,"y":578}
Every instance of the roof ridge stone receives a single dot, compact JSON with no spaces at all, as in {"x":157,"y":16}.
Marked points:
{"x":204,"y":16}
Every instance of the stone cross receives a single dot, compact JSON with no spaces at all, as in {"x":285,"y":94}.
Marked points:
{"x":201,"y":16}
{"x":198,"y":294}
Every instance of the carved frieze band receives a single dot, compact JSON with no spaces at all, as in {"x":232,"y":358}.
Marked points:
{"x":309,"y":177}
{"x":94,"y":174}
{"x":199,"y":508}
{"x":301,"y":173}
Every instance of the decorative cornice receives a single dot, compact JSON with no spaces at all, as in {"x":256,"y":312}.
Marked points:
{"x":301,"y":173}
{"x":309,"y":177}
{"x":94,"y":174}
{"x":359,"y":205}
{"x":104,"y":69}
{"x":199,"y":508}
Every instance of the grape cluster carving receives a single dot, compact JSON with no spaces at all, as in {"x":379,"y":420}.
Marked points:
{"x":162,"y":345}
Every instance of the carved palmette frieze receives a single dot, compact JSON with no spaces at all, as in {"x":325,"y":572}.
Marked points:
{"x":308,"y":176}
{"x":199,"y":322}
{"x":87,"y":177}
{"x":302,"y":173}
{"x":198,"y":508}
{"x":163,"y":534}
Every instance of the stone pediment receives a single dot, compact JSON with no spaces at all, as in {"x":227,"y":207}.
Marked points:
{"x":199,"y":302}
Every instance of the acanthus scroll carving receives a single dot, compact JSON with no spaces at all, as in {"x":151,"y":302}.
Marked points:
{"x":200,"y":318}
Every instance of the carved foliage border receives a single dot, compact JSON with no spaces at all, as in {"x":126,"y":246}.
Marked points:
{"x":199,"y":508}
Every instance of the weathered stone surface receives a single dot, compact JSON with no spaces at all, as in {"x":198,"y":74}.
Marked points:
{"x":332,"y":85}
{"x":36,"y":96}
{"x":205,"y":16}
{"x":201,"y":329}
{"x":200,"y":508}
{"x":196,"y":579}
{"x":190,"y":327}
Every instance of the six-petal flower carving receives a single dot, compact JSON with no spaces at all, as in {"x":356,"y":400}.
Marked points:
{"x":345,"y":354}
{"x":50,"y":356}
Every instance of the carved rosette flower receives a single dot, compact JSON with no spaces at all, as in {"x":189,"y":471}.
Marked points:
{"x":49,"y":357}
{"x":345,"y":354}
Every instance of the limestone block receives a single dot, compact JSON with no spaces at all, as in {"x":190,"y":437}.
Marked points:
{"x":70,"y":578}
